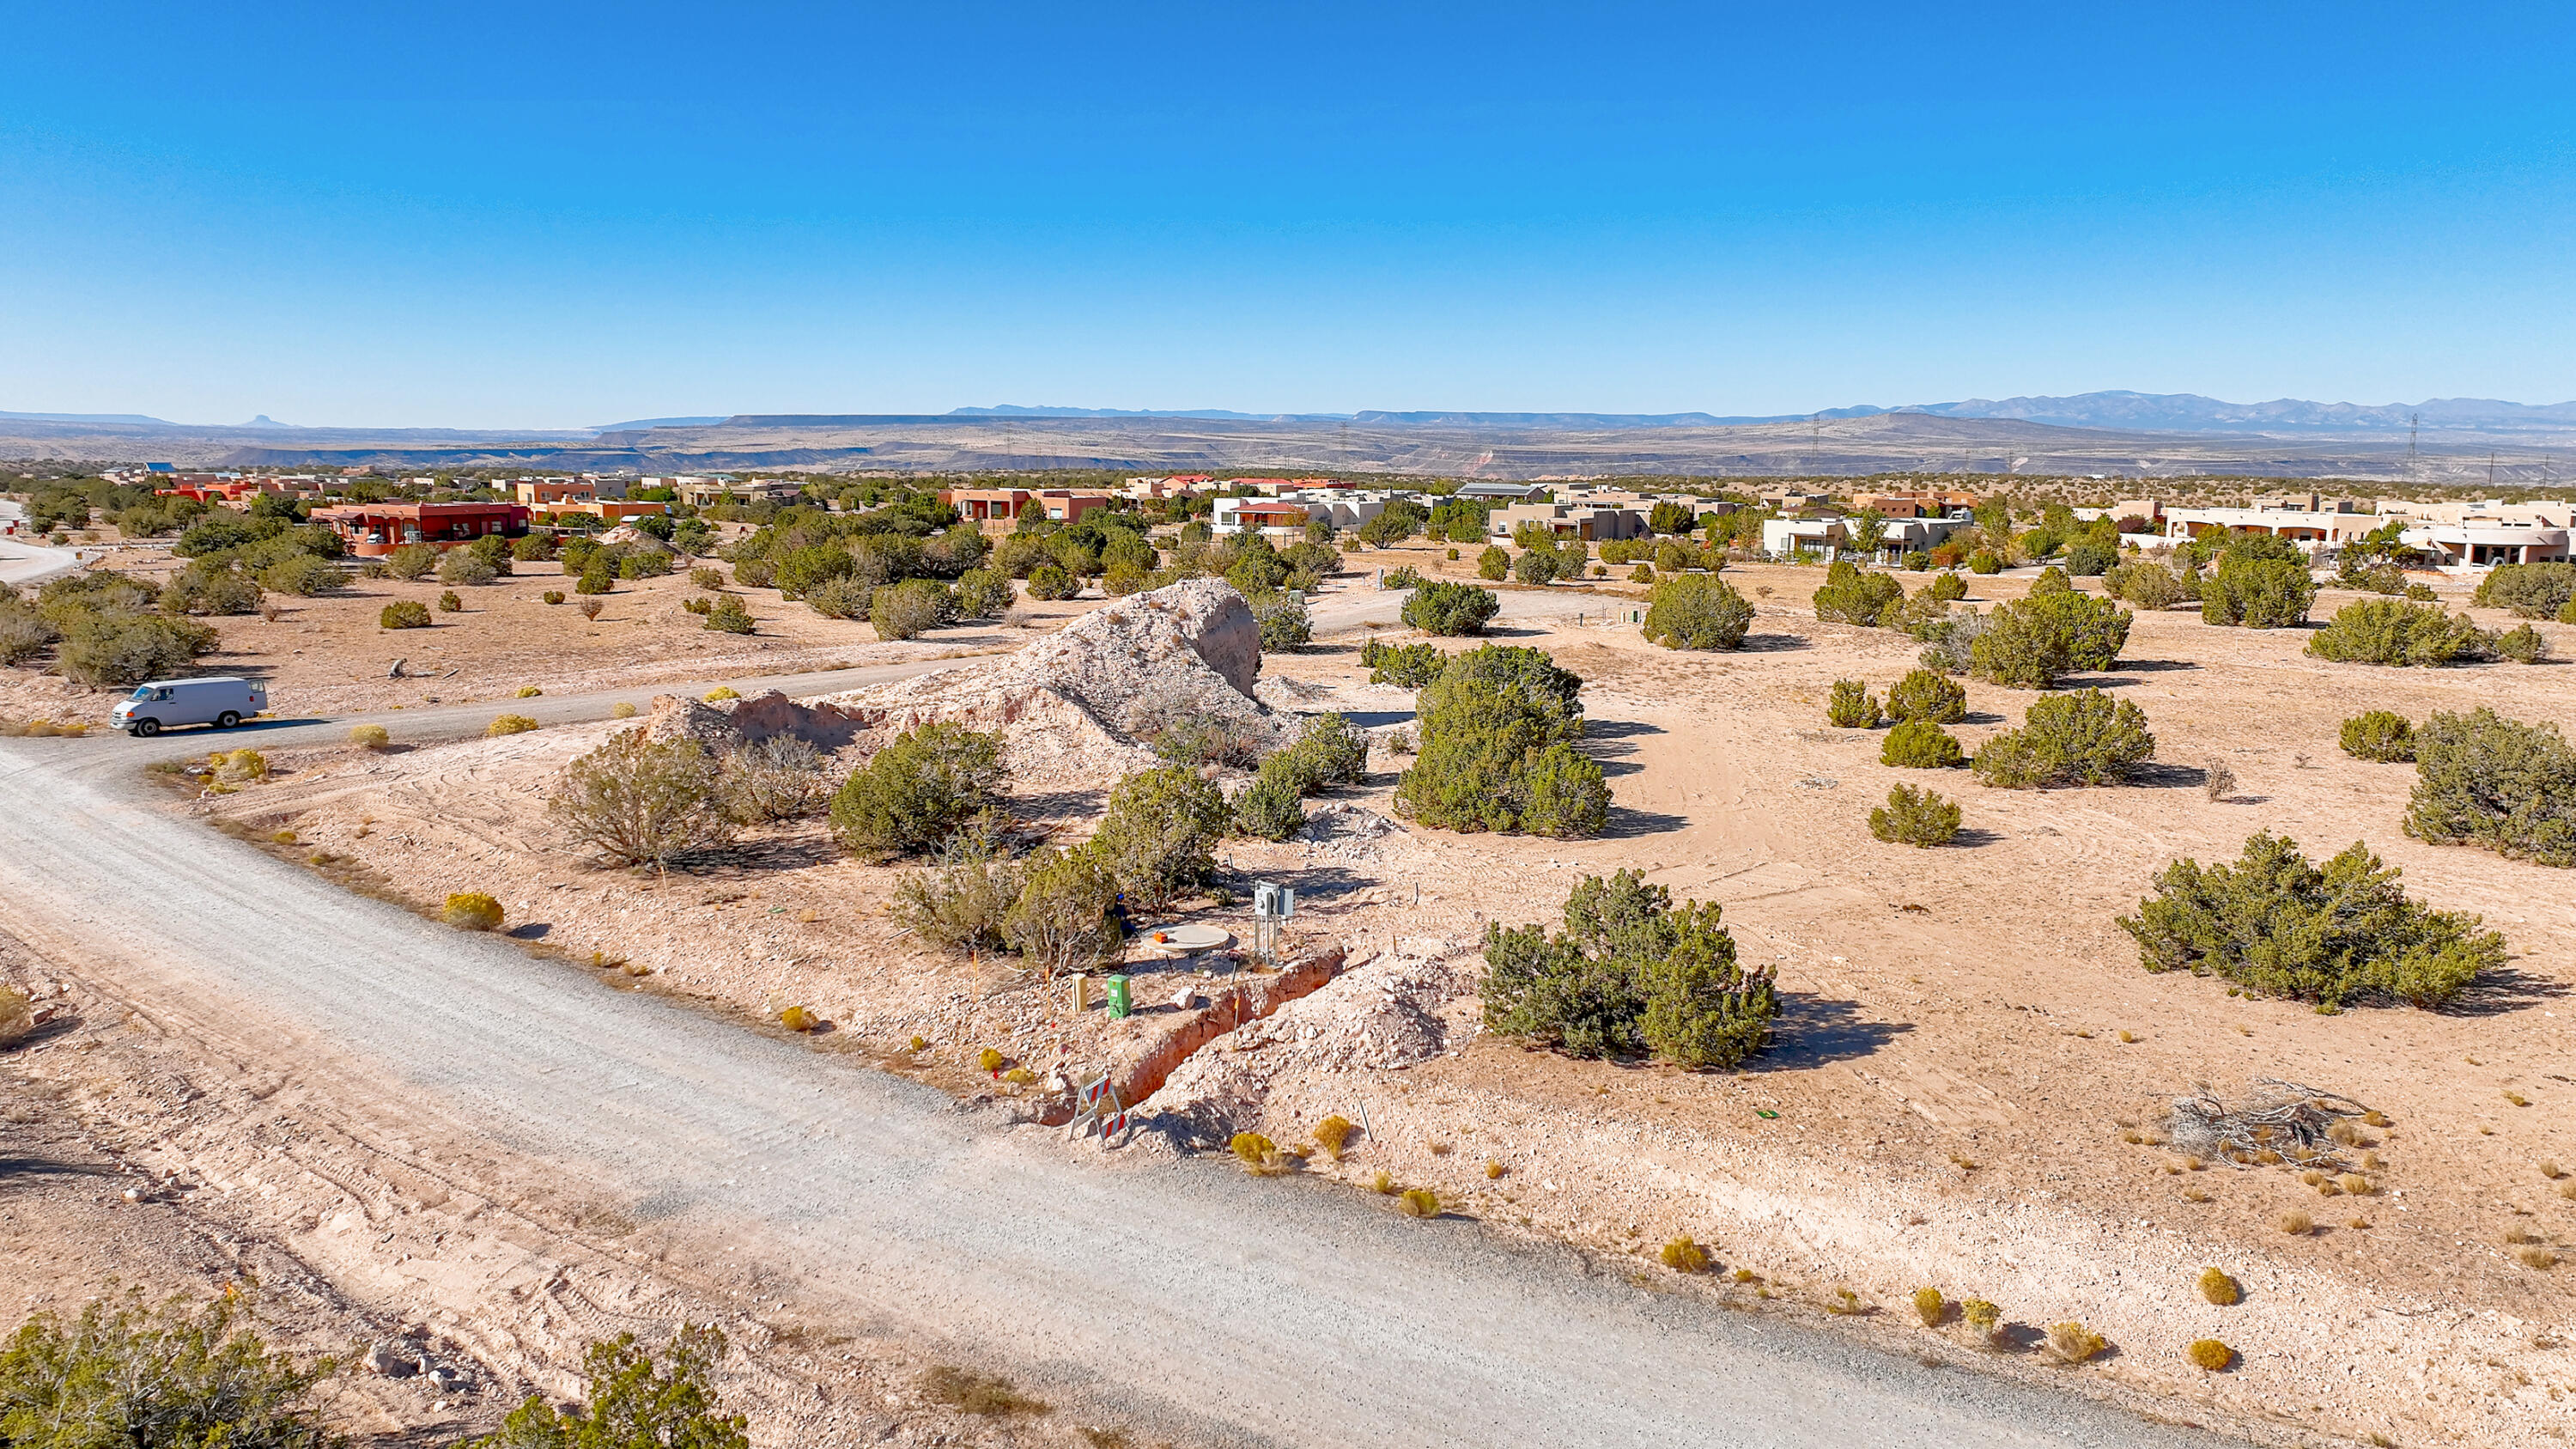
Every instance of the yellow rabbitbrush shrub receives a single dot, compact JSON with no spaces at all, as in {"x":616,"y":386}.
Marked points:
{"x":2220,"y":1289}
{"x":1684,"y":1256}
{"x":1420,"y":1202}
{"x":1930,"y":1306}
{"x":369,"y":737}
{"x":2211,"y":1354}
{"x":2074,"y":1343}
{"x":1333,"y":1133}
{"x":508,"y":724}
{"x":472,"y":911}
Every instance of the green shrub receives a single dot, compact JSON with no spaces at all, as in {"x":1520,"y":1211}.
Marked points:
{"x":2143,"y":583}
{"x":1642,"y":574}
{"x":2484,"y":780}
{"x":635,"y":1396}
{"x":1061,"y":920}
{"x":1495,"y":748}
{"x":2522,"y":644}
{"x":2274,"y":923}
{"x":912,"y":608}
{"x":2051,"y":580}
{"x":465,"y":566}
{"x":111,"y":650}
{"x":2257,"y":593}
{"x":960,"y":904}
{"x":1924,"y":694}
{"x":1630,"y":972}
{"x":1697,"y":611}
{"x":1851,"y":706}
{"x":1985,"y":561}
{"x":2381,"y":735}
{"x":983,"y":594}
{"x":598,"y":577}
{"x":303,"y":576}
{"x":1271,"y":807}
{"x":1915,"y":817}
{"x":1451,"y":609}
{"x":1854,"y":595}
{"x":2027,"y":644}
{"x":412,"y":561}
{"x":1048,"y":583}
{"x":2090,"y":560}
{"x":1330,"y":752}
{"x":472,"y":911}
{"x":404,"y":614}
{"x":1919,"y":744}
{"x":533,"y":547}
{"x":2082,"y":738}
{"x":1285,"y":626}
{"x":1406,"y":666}
{"x":177,"y":1375}
{"x":643,"y":563}
{"x":1158,"y":840}
{"x":1404,"y":576}
{"x":846,"y":596}
{"x":2385,"y":631}
{"x":913,"y":794}
{"x":450,"y":603}
{"x":553,"y":596}
{"x":1495,"y":563}
{"x":2531,"y":591}
{"x":1946,"y":587}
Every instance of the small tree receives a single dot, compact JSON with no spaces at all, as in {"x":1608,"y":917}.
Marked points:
{"x":1272,"y":807}
{"x":1697,"y":611}
{"x":2258,"y":593}
{"x":403,"y":614}
{"x":2082,"y":738}
{"x":640,"y":801}
{"x":1630,"y":972}
{"x":2522,"y":644}
{"x":2027,"y":644}
{"x":1048,"y":583}
{"x":1495,"y":563}
{"x":1851,"y":706}
{"x":1946,"y":587}
{"x":1061,"y":921}
{"x":729,"y":615}
{"x":2381,"y":735}
{"x":1159,"y":838}
{"x":1451,"y":609}
{"x":176,"y":1375}
{"x":910,"y":609}
{"x":983,"y":594}
{"x":1285,"y":625}
{"x":1854,"y":595}
{"x":465,"y":566}
{"x":2531,"y":591}
{"x":1924,"y":694}
{"x":1406,"y":666}
{"x":1915,"y":817}
{"x":2485,"y":780}
{"x":913,"y":794}
{"x":2278,"y":925}
{"x":636,"y":1398}
{"x":1919,"y":744}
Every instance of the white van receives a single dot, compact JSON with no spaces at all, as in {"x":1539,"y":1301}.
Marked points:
{"x":222,"y":702}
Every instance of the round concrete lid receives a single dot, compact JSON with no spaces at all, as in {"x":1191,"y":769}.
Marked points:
{"x":1189,"y":938}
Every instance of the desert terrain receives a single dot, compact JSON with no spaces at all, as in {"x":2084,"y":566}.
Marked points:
{"x":1967,"y":1088}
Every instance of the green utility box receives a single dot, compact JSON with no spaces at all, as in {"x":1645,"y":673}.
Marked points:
{"x":1117,"y":997}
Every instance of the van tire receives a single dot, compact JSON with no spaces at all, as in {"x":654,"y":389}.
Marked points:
{"x":227,"y":720}
{"x":146,"y":728}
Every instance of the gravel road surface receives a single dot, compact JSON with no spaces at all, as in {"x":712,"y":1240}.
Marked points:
{"x":1184,"y":1294}
{"x":23,"y":563}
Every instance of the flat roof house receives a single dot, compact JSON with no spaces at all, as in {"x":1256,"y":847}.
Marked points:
{"x":372,"y":530}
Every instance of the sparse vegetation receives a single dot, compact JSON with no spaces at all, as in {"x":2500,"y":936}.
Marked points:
{"x":1419,"y":1202}
{"x":508,"y":724}
{"x":1931,"y":1307}
{"x":1915,"y":817}
{"x":728,"y":615}
{"x":2217,"y":779}
{"x":1333,"y":1134}
{"x":404,"y":614}
{"x":2295,"y":1223}
{"x":2072,"y":1342}
{"x":982,"y":1395}
{"x":2083,"y":738}
{"x":961,"y":904}
{"x":1684,"y":1256}
{"x":1259,"y":1155}
{"x":2217,"y":1287}
{"x":1451,"y":609}
{"x":2275,"y":924}
{"x":2488,"y":781}
{"x":1060,"y":922}
{"x":1631,"y":972}
{"x":779,"y":778}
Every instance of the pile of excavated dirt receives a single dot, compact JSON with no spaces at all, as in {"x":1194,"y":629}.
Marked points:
{"x":1077,"y":706}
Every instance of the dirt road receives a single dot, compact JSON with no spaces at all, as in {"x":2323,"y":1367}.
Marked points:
{"x":22,"y":564}
{"x":1184,"y":1296}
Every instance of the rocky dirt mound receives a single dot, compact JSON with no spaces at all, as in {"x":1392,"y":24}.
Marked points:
{"x":1079,"y":706}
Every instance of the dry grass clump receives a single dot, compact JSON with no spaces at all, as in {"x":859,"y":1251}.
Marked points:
{"x":621,"y":710}
{"x":2221,"y":1289}
{"x":1847,"y":1304}
{"x":1930,"y":1306}
{"x":1982,"y":1318}
{"x":1382,"y":1185}
{"x":2074,"y":1343}
{"x":797,"y":1018}
{"x":2211,"y":1354}
{"x":2354,"y":1183}
{"x":2552,"y":1171}
{"x":1493,"y":1170}
{"x":1684,"y":1256}
{"x":980,"y":1394}
{"x":508,"y":724}
{"x":1259,"y":1155}
{"x":529,"y":691}
{"x":472,"y":911}
{"x":2297,"y":1224}
{"x":1333,"y":1133}
{"x":17,"y":1015}
{"x":1420,"y":1202}
{"x":2538,"y":1258}
{"x":240,"y":767}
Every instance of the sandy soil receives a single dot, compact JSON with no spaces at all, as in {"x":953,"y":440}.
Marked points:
{"x":1966,"y":1090}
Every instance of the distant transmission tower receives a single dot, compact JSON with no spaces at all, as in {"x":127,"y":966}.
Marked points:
{"x":2491,"y":468}
{"x":1815,"y":440}
{"x":2411,"y":420}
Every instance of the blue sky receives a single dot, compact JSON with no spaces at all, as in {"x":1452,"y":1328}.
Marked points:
{"x":531,"y":215}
